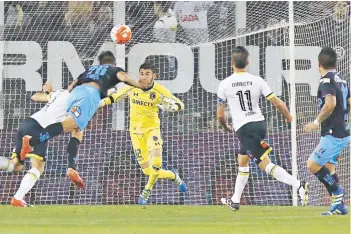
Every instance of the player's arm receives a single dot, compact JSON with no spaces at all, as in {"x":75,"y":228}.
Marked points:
{"x":170,"y":102}
{"x":120,"y":94}
{"x":124,"y":77}
{"x":72,"y":85}
{"x":221,"y":109}
{"x":41,"y":97}
{"x":276,"y":102}
{"x":329,"y":95}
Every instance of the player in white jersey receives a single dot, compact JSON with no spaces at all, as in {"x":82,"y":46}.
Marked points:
{"x":242,"y":92}
{"x":54,"y":111}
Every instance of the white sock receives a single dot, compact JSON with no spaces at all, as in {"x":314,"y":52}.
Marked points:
{"x":282,"y":175}
{"x":240,"y":183}
{"x":27,"y":183}
{"x":6,"y":164}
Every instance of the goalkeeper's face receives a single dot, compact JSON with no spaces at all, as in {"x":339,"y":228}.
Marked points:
{"x":146,"y":76}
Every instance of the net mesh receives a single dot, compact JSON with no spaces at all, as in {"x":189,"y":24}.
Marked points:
{"x":193,"y":140}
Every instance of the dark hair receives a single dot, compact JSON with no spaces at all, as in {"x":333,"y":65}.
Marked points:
{"x":106,"y":57}
{"x":240,"y":56}
{"x":147,"y":66}
{"x":327,"y":58}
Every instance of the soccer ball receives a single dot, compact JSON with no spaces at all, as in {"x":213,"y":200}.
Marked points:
{"x":121,"y":34}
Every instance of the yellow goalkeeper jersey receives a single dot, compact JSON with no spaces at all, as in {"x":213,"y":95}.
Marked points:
{"x":143,"y":105}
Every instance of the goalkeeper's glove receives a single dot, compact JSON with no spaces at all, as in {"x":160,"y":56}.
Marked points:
{"x":169,"y":105}
{"x":102,"y":103}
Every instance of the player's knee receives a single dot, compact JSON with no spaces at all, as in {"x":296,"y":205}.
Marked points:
{"x":78,"y":134}
{"x":312,"y":166}
{"x":156,"y":163}
{"x":243,"y":160}
{"x":38,"y":165}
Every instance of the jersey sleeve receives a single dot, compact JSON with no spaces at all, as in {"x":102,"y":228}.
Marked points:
{"x":266,"y":90}
{"x":326,"y":88}
{"x":120,"y":94}
{"x":221,"y":94}
{"x":166,"y":93}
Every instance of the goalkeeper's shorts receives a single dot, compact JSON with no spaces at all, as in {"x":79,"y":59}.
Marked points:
{"x":82,"y":104}
{"x":30,"y":127}
{"x":251,"y":137}
{"x":145,"y":142}
{"x":329,"y":150}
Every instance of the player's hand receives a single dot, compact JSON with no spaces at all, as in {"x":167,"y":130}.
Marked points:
{"x":310,"y":127}
{"x":289,"y":119}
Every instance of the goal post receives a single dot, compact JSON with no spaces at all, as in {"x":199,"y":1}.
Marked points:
{"x":293,"y":97}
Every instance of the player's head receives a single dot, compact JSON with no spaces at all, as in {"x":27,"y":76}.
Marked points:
{"x":106,"y":57}
{"x":240,"y":58}
{"x":47,"y":87}
{"x":147,"y":73}
{"x":327,"y":59}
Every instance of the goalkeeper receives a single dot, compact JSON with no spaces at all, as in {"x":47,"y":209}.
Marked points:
{"x":145,"y":126}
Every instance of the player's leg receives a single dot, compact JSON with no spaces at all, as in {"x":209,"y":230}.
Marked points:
{"x":38,"y":164}
{"x":82,"y":105}
{"x":260,"y":150}
{"x":72,"y":150}
{"x":328,"y":151}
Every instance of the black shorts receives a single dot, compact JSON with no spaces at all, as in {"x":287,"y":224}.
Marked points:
{"x":30,"y":127}
{"x":252,"y":143}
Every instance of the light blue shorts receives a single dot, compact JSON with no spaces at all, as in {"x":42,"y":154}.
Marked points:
{"x":329,"y":149}
{"x":82,"y":104}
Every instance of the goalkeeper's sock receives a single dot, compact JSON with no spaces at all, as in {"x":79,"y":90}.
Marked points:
{"x":240,"y":183}
{"x":6,"y":164}
{"x":72,"y":150}
{"x":48,"y":133}
{"x":166,"y":174}
{"x":27,"y":183}
{"x":282,"y":175}
{"x":328,"y":180}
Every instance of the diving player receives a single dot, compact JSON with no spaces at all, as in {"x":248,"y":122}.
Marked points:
{"x":333,"y":105}
{"x":145,"y":126}
{"x":88,"y":89}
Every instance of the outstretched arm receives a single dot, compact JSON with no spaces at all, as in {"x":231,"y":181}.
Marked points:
{"x":124,"y":77}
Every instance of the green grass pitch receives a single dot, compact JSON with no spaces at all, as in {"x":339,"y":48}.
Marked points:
{"x":170,"y":219}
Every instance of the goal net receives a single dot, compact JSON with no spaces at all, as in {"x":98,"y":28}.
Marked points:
{"x":58,"y":40}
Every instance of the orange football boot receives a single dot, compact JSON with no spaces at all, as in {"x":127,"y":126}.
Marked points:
{"x":19,"y":203}
{"x":75,"y":178}
{"x":26,"y":148}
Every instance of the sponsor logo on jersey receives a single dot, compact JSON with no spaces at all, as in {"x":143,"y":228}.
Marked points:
{"x":155,"y":138}
{"x":142,"y":103}
{"x":136,"y":94}
{"x":76,"y":111}
{"x":152,"y":96}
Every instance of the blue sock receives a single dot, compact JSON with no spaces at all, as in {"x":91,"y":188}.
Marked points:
{"x":72,"y":151}
{"x":48,"y":133}
{"x":328,"y":180}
